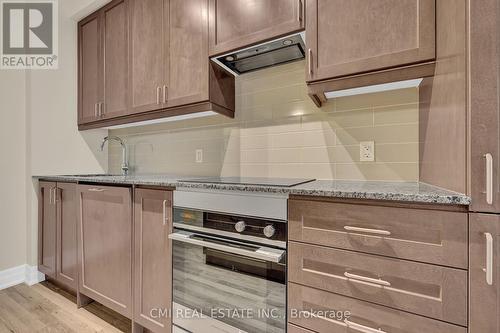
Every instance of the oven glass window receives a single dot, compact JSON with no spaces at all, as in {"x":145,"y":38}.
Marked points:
{"x":236,"y":293}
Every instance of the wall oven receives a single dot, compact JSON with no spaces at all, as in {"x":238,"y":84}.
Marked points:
{"x":229,"y":270}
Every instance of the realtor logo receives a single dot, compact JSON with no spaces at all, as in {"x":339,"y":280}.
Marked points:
{"x":29,"y":34}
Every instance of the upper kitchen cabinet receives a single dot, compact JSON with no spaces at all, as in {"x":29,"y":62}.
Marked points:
{"x":89,"y":69}
{"x":169,"y":64}
{"x":170,"y":71}
{"x":103,"y":63}
{"x":485,"y":106}
{"x":149,"y":60}
{"x":148,"y":54}
{"x":115,"y":59}
{"x":235,"y":24}
{"x":188,"y":67}
{"x":354,"y":43}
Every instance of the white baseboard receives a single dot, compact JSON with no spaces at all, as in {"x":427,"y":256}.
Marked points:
{"x":20,"y":274}
{"x":33,"y":276}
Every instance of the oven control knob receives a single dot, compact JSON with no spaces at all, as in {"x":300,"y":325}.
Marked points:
{"x":240,"y":226}
{"x":269,"y":231}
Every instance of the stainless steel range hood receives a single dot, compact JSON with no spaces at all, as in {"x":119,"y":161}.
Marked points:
{"x":272,"y":53}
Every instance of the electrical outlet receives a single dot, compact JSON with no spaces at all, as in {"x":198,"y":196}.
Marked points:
{"x":199,"y":156}
{"x":367,"y":151}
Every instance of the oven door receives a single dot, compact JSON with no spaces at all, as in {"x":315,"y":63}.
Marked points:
{"x":226,"y":285}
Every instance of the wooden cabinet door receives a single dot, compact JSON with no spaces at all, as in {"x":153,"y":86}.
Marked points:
{"x":105,"y":246}
{"x":485,"y":105}
{"x":90,"y":69}
{"x":47,"y":228}
{"x":484,"y":298}
{"x":147,"y":54}
{"x":152,"y":258}
{"x":188,"y":47}
{"x":66,"y":234}
{"x":346,"y":37}
{"x":238,"y":23}
{"x":115,"y":58}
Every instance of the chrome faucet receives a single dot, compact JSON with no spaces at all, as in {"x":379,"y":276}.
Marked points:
{"x":124,"y":151}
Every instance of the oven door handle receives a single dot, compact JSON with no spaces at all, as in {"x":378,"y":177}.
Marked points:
{"x":262,"y":253}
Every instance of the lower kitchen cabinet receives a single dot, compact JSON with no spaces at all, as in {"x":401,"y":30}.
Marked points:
{"x":66,"y":264}
{"x":57,"y":247}
{"x":428,"y":290}
{"x":47,"y":229}
{"x":152,"y":259}
{"x":376,"y":267}
{"x":324,"y":312}
{"x":484,"y":273}
{"x":105,"y":246}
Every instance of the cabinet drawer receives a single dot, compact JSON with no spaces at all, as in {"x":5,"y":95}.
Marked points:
{"x":428,"y":290}
{"x":438,"y":237}
{"x":310,"y":308}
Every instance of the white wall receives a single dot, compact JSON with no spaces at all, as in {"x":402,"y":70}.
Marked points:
{"x":13,"y":171}
{"x":39,"y":136}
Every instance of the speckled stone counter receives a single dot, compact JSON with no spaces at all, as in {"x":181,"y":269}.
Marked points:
{"x":371,"y":190}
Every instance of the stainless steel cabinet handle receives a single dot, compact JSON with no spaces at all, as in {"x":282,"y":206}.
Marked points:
{"x":158,"y":92}
{"x":101,"y":109}
{"x":367,"y":230}
{"x":164,"y":94}
{"x":53,"y":195}
{"x":96,"y":112}
{"x":50,"y":196}
{"x":489,"y":178}
{"x":299,"y":11}
{"x":95,"y":189}
{"x":165,"y":212}
{"x":489,"y":258}
{"x":367,"y":279}
{"x":362,"y":328}
{"x":309,"y":61}
{"x":262,"y":253}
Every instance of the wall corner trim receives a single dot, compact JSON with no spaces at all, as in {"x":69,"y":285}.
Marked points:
{"x":20,"y":274}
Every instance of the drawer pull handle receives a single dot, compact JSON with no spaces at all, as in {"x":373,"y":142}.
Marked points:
{"x":367,"y":279}
{"x":96,"y":190}
{"x":362,"y":328}
{"x":309,"y":62}
{"x":165,"y":219}
{"x":489,"y":258}
{"x":299,"y":11}
{"x":489,"y":178}
{"x":367,"y":230}
{"x":158,"y":93}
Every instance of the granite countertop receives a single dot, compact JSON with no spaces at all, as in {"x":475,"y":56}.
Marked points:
{"x":372,"y":190}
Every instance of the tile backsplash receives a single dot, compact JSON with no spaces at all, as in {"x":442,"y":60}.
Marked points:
{"x":279,"y":132}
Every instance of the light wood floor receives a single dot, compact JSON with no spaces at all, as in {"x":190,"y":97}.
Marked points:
{"x":45,"y":308}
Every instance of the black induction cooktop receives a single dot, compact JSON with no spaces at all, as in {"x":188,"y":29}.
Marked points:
{"x":280,"y":182}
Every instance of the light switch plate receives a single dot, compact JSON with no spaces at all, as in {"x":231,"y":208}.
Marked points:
{"x":367,"y":151}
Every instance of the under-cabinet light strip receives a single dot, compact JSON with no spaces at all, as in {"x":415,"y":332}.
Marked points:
{"x":374,"y":88}
{"x":165,"y":120}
